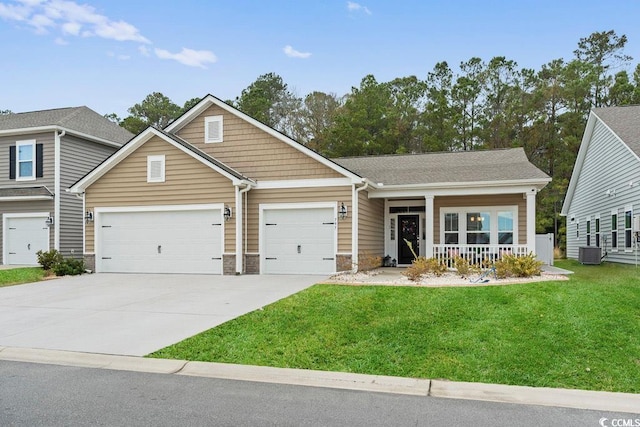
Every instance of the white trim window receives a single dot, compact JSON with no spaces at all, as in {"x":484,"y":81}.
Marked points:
{"x":614,"y":230}
{"x":597,"y":230}
{"x":588,"y":231}
{"x":213,"y":129}
{"x":628,"y":227}
{"x":26,"y":160}
{"x":156,"y":168}
{"x":486,"y":225}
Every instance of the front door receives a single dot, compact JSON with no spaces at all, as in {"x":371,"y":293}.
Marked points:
{"x":408,"y":232}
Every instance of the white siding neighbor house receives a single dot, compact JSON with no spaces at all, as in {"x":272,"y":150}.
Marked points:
{"x":603,"y":197}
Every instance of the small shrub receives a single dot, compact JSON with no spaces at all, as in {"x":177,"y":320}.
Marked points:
{"x":69,"y":267}
{"x":368,"y":262}
{"x":464,"y":267}
{"x":48,"y":260}
{"x":514,"y":266}
{"x":422,"y":266}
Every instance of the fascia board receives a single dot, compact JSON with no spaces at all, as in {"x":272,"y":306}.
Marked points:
{"x":55,"y":128}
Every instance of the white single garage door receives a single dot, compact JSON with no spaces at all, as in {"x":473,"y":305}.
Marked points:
{"x":299,"y":241}
{"x":176,"y":241}
{"x":24,"y":237}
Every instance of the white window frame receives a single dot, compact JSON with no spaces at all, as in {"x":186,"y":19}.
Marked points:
{"x":628,"y":208}
{"x":208,"y":139}
{"x":493,"y":212}
{"x":32,"y":143}
{"x":156,"y":158}
{"x":614,"y":230}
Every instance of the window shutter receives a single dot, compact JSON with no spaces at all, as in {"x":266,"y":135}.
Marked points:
{"x":39,"y":162}
{"x":12,"y":162}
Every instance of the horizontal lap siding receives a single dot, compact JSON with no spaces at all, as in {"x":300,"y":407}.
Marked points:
{"x":298,"y":195}
{"x":187,"y":181}
{"x":370,"y":225}
{"x":253,"y":152}
{"x":78,"y":157}
{"x":608,"y":165}
{"x":490,"y":200}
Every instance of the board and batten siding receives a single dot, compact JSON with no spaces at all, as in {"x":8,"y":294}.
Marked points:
{"x":479,"y":201}
{"x":608,"y":165}
{"x":253,"y":152}
{"x":77,"y":158}
{"x":370,"y":226}
{"x":187,"y":182}
{"x":297,"y":195}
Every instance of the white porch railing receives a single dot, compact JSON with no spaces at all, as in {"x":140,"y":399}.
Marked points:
{"x":479,"y":255}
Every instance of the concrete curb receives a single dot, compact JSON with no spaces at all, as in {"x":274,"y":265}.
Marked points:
{"x":579,"y":399}
{"x":567,"y":398}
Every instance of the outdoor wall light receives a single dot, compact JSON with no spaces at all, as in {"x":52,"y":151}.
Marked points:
{"x":49,"y":221}
{"x":227,"y":213}
{"x":343,"y":211}
{"x":88,"y":217}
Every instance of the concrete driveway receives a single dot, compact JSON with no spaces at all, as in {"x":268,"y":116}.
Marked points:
{"x":131,"y":314}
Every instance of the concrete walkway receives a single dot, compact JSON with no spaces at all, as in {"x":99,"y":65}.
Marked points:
{"x":555,"y":270}
{"x":131,"y":314}
{"x":581,"y":399}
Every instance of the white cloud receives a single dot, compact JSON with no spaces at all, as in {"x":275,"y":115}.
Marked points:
{"x":292,"y":53}
{"x":69,"y":17}
{"x":356,"y":7}
{"x":144,"y":51}
{"x":60,"y":41}
{"x":190,"y":57}
{"x":119,"y":57}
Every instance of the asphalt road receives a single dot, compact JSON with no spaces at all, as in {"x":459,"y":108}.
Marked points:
{"x":51,"y":395}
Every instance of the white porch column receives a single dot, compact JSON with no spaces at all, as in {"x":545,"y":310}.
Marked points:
{"x":239,"y":216}
{"x":429,"y":220}
{"x":531,"y":220}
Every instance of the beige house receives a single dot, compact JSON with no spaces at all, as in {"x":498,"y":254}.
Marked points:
{"x":218,"y":192}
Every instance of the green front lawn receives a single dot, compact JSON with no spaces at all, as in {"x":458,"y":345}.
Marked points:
{"x":18,"y":276}
{"x":583,"y":333}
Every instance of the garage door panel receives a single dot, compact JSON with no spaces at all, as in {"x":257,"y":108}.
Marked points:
{"x":25,"y":237}
{"x":188,"y":241}
{"x":299,"y":241}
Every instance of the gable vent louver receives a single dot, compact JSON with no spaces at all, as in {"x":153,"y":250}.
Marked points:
{"x":155,"y":172}
{"x":213,"y":129}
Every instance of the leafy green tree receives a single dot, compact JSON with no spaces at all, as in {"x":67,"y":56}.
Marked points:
{"x":317,"y":116}
{"x":405,"y":132}
{"x":438,"y":116}
{"x":189,"y":104}
{"x":604,"y":51}
{"x":467,"y":104}
{"x":622,"y":90}
{"x":269,"y":101}
{"x":155,"y":110}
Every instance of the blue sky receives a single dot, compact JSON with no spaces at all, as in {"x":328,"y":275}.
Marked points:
{"x":109,"y":55}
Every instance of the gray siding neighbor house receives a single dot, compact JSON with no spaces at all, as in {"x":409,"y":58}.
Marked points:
{"x":603,"y":197}
{"x":43,"y":153}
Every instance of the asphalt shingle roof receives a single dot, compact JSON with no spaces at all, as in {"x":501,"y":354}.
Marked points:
{"x":79,"y":119}
{"x":445,"y":167}
{"x":625,"y":122}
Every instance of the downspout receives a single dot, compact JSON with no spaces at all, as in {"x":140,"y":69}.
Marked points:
{"x":354,"y":225}
{"x":240,"y":228}
{"x":56,"y":188}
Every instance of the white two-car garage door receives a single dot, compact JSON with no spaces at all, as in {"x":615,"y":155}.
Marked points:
{"x":170,"y":241}
{"x":299,"y":241}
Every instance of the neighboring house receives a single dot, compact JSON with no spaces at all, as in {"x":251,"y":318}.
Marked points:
{"x":44,"y":153}
{"x":219,"y":192}
{"x":603,"y":197}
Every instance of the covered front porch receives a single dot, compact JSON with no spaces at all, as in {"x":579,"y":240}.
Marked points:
{"x":478,"y":226}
